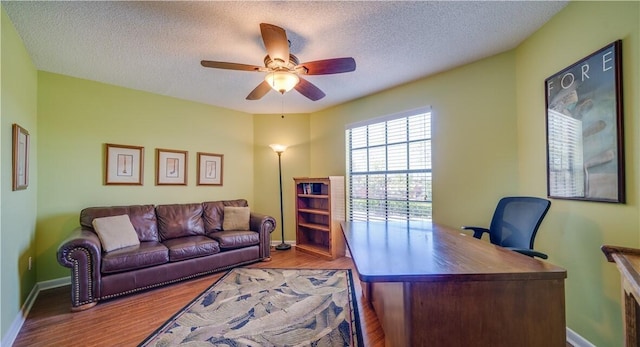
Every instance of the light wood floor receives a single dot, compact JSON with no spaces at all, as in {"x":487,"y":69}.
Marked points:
{"x":128,"y":320}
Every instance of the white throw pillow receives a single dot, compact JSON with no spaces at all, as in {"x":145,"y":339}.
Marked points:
{"x":115,"y":232}
{"x":235,"y":218}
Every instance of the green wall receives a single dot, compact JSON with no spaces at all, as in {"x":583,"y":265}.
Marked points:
{"x":77,"y":117}
{"x":473,"y":125}
{"x":291,"y":130}
{"x":18,"y":88}
{"x":489,"y":141}
{"x":573,"y":231}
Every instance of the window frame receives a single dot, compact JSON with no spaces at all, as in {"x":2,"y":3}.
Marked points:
{"x":412,"y":206}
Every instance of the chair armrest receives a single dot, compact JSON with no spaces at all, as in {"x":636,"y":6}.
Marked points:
{"x":529,"y":252}
{"x":477,"y":231}
{"x":82,"y":252}
{"x":263,"y":225}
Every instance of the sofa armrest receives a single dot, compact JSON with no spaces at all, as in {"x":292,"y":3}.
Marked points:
{"x":81,"y":252}
{"x":264,"y":225}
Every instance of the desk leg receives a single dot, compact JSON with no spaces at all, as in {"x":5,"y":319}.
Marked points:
{"x":631,"y":313}
{"x":389,"y":301}
{"x":366,"y":291}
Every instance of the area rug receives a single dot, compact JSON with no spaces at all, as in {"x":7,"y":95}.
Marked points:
{"x":268,"y":307}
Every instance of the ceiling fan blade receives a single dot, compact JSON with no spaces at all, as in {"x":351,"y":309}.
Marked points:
{"x":275,"y":41}
{"x":309,"y":90}
{"x":261,"y":90}
{"x":231,"y":66}
{"x":327,"y":66}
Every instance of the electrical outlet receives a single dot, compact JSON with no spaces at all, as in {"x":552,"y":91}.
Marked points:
{"x":30,"y":261}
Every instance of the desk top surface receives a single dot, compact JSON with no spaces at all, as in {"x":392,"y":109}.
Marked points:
{"x":422,"y":251}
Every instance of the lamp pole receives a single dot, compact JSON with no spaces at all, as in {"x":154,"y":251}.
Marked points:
{"x":280,"y":149}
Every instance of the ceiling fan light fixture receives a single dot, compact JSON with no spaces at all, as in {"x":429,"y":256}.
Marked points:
{"x":283,"y":68}
{"x":282,"y":81}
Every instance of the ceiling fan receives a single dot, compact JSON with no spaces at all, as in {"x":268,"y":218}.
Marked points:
{"x":283,"y":69}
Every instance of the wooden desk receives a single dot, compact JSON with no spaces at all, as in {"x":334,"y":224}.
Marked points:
{"x":436,"y":286}
{"x":628,"y":262}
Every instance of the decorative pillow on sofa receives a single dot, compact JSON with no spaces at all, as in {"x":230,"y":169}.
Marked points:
{"x":213,"y":213}
{"x":235,"y":218}
{"x":115,"y":232}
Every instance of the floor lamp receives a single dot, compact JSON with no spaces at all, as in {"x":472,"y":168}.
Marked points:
{"x":280,"y":149}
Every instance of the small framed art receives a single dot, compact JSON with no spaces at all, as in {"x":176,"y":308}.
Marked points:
{"x":171,"y":167}
{"x":209,"y":169}
{"x":123,"y":164}
{"x":20,"y":158}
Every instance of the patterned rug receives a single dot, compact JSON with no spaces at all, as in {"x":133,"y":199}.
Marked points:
{"x":268,"y":307}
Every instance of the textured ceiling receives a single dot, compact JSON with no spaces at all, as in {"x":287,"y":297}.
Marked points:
{"x":158,"y":46}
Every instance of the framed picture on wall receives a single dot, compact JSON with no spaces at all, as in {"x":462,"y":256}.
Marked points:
{"x":171,"y":167}
{"x":585,"y":154}
{"x":210,"y":169}
{"x":123,"y":164}
{"x":20,"y":158}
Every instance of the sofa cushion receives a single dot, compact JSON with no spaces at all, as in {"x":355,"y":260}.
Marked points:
{"x":191,"y":247}
{"x":213,"y":213}
{"x":143,"y":218}
{"x":179,"y":220}
{"x":235,"y":218}
{"x":236,"y":239}
{"x":146,"y":254}
{"x":115,"y":232}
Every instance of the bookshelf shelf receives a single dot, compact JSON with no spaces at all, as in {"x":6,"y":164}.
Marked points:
{"x":320,"y":227}
{"x":314,"y":196}
{"x":314,"y":211}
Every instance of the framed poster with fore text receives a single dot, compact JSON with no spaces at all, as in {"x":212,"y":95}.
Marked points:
{"x":585,"y":154}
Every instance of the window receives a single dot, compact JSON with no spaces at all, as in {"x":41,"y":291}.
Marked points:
{"x":566,"y":163}
{"x":389,"y":168}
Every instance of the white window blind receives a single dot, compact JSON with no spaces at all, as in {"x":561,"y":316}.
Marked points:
{"x":566,"y":163}
{"x":389,"y":168}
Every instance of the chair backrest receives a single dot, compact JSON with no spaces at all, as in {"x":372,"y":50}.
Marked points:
{"x":516,"y":221}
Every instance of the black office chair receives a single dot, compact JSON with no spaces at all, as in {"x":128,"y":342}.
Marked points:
{"x":515,"y":223}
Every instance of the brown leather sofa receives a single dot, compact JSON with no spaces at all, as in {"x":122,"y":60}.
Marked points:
{"x":177,"y":242}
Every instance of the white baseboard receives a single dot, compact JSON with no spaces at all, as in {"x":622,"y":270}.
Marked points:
{"x":11,"y":335}
{"x":576,"y":340}
{"x":58,"y":282}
